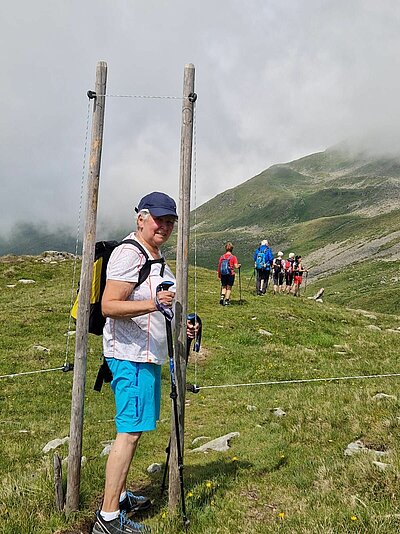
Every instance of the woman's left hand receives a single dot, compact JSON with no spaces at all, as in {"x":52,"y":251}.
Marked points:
{"x":191,"y":329}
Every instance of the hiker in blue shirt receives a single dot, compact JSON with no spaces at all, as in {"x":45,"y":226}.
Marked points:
{"x":263,"y":259}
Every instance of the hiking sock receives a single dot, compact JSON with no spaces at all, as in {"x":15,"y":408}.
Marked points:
{"x":109,"y":516}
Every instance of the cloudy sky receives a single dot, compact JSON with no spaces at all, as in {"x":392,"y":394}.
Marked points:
{"x":276,"y":80}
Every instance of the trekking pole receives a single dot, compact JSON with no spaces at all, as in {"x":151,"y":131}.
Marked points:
{"x":240,"y":288}
{"x":169,"y":314}
{"x":251,"y":278}
{"x":193,"y":318}
{"x":305,"y":285}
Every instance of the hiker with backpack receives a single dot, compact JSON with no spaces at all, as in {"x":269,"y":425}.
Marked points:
{"x":135,"y":347}
{"x":278,"y":272}
{"x":289,"y":272}
{"x":263,"y":258}
{"x":226,"y":273}
{"x":298,"y":270}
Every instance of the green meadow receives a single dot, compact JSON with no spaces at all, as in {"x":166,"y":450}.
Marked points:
{"x":284,"y":474}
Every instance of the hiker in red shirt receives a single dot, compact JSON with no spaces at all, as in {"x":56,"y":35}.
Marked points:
{"x":298,"y":270}
{"x":226,"y":272}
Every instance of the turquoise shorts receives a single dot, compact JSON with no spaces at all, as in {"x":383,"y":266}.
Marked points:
{"x":137,"y":392}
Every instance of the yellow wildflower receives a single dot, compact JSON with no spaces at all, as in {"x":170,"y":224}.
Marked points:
{"x":354,"y":518}
{"x":281,"y":515}
{"x":208,"y":484}
{"x":190,"y":494}
{"x":235,"y":459}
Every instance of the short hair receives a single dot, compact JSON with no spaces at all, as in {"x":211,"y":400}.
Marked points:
{"x":144,"y":214}
{"x":228,"y":247}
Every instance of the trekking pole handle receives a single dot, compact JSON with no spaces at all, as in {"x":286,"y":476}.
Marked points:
{"x":163,"y":308}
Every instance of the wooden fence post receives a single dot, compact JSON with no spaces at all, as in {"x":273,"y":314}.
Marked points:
{"x":182,"y":268}
{"x":82,"y":324}
{"x":58,"y":489}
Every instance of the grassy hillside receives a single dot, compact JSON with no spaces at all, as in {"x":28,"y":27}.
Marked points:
{"x":282,"y":474}
{"x":302,"y":205}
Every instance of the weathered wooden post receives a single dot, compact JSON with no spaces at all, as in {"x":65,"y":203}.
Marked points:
{"x":58,"y":489}
{"x":82,"y":324}
{"x":182,"y":268}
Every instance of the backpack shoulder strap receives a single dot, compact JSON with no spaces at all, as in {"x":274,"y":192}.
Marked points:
{"x":146,"y":267}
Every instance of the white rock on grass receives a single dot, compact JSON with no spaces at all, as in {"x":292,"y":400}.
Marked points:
{"x":278,"y":412}
{"x":381,"y":396}
{"x":40,"y":348}
{"x":392,"y":331}
{"x":381,"y":465}
{"x":200,"y":438}
{"x":107,"y":447}
{"x":220,"y":444}
{"x":154,"y":468}
{"x":251,"y":408}
{"x":355,"y":447}
{"x":54,"y":443}
{"x":358,"y":446}
{"x":26,"y":281}
{"x":11,"y":285}
{"x":373,"y":327}
{"x":265,"y":332}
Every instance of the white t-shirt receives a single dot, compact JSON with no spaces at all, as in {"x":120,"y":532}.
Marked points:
{"x":143,"y":338}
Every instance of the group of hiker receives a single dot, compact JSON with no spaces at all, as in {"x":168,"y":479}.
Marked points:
{"x":287,"y":274}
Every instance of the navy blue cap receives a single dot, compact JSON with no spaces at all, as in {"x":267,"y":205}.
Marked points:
{"x":158,"y":204}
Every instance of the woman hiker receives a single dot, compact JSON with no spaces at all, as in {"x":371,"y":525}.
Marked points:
{"x":298,"y":270}
{"x":278,"y":272}
{"x":135,"y":346}
{"x":226,"y":272}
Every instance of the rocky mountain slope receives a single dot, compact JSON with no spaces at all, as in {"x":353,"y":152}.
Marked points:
{"x":334,"y":207}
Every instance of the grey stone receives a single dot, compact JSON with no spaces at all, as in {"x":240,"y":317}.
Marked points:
{"x":40,"y":348}
{"x":319,"y":294}
{"x":278,"y":412}
{"x":200,"y":438}
{"x":54,"y":443}
{"x":355,"y":447}
{"x":154,"y":468}
{"x":220,"y":444}
{"x":381,"y":465}
{"x":265,"y":332}
{"x":359,"y":446}
{"x":26,"y":281}
{"x":380,"y":396}
{"x":373,"y":327}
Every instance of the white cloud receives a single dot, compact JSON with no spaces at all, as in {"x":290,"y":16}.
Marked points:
{"x":276,"y":80}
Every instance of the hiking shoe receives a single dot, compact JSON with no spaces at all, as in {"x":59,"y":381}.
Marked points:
{"x":226,"y":303}
{"x":119,"y":525}
{"x":134,"y":503}
{"x":221,"y":301}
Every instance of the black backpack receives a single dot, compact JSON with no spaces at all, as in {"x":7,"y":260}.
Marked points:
{"x":103,"y":250}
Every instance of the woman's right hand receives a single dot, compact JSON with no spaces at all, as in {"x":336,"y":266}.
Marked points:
{"x":166,"y":298}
